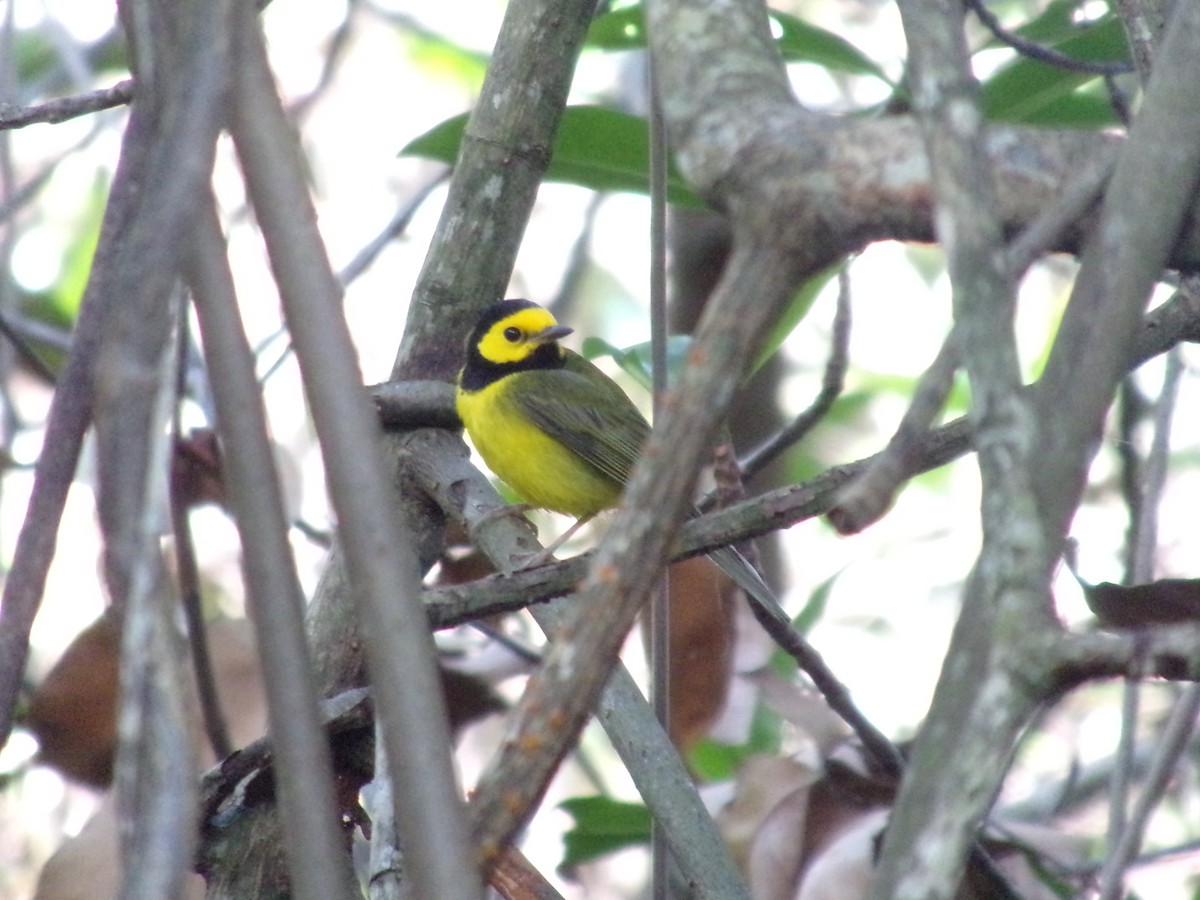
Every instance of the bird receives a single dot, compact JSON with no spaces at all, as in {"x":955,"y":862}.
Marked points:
{"x":548,"y":423}
{"x":564,"y":436}
{"x":558,"y":431}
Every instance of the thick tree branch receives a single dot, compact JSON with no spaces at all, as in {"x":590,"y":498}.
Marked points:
{"x":943,"y":798}
{"x":505,"y":151}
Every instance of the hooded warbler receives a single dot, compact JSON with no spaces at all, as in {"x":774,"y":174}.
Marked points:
{"x":552,"y":426}
{"x":556,"y":429}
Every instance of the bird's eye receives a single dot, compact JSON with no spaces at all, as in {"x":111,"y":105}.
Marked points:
{"x":512,"y":335}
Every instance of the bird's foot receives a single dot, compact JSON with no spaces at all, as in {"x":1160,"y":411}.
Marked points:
{"x":547,"y":553}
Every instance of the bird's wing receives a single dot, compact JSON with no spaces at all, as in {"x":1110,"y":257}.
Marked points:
{"x":588,"y":413}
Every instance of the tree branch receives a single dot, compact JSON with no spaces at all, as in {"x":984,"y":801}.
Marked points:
{"x":505,"y":150}
{"x":171,"y":140}
{"x":64,"y":108}
{"x":381,"y":556}
{"x":313,"y":845}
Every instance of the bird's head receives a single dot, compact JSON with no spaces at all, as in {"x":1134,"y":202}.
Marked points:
{"x":517,"y":333}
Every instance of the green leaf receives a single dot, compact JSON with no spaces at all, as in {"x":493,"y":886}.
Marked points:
{"x":792,"y":316}
{"x":1082,"y":109}
{"x":814,"y":607}
{"x":607,"y":150}
{"x":799,"y":41}
{"x":602,"y":826}
{"x":636,"y":360}
{"x":597,"y":148}
{"x":1019,"y":91}
{"x":714,"y":761}
{"x":621,"y":29}
{"x":810,"y":614}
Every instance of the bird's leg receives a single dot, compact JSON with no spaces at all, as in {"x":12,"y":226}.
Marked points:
{"x":547,"y":554}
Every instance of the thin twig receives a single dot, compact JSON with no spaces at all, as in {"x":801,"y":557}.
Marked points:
{"x":1132,"y":411}
{"x":387,"y":878}
{"x":876,"y":744}
{"x":831,"y":388}
{"x":1144,"y":544}
{"x":335,"y":50}
{"x":1036,"y":51}
{"x":361,"y":261}
{"x":660,"y":603}
{"x":183,"y":464}
{"x":1078,"y":195}
{"x":394,"y":229}
{"x":65,"y":108}
{"x":1172,"y":742}
{"x":1155,"y":473}
{"x":578,"y":260}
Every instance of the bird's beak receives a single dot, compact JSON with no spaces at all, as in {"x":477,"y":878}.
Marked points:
{"x":550,"y":334}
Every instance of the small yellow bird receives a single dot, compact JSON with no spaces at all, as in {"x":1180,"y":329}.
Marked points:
{"x":556,"y":429}
{"x":552,"y":426}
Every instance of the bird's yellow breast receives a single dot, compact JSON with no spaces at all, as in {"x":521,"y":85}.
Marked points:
{"x":542,"y":471}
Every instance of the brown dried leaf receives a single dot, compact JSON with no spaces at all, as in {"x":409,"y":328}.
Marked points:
{"x":764,"y":823}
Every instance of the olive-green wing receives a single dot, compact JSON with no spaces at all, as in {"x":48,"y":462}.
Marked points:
{"x":585,"y":410}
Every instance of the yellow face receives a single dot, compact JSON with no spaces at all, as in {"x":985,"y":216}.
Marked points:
{"x":516,"y":336}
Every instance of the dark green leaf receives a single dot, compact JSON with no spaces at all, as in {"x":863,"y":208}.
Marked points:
{"x":596,"y":148}
{"x":1082,"y":109}
{"x":1024,"y":88}
{"x":799,"y":41}
{"x":602,"y":826}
